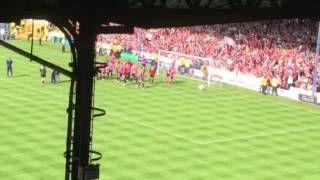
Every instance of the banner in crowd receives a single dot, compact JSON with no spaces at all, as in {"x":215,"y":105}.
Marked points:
{"x":129,"y":56}
{"x":4,"y":29}
{"x":5,"y":33}
{"x":308,"y":98}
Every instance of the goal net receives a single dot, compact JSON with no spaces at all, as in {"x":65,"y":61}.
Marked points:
{"x":190,"y":66}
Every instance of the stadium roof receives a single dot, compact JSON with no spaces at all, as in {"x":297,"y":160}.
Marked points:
{"x":160,"y":13}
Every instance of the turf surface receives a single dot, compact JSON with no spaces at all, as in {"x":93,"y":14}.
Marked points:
{"x":161,"y":132}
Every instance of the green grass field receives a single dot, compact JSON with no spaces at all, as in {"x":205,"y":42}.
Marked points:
{"x":157,"y":133}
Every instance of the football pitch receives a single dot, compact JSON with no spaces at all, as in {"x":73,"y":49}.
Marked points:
{"x":158,"y":133}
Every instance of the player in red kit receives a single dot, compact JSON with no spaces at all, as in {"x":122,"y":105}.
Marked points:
{"x":134,"y":72}
{"x":144,"y":61}
{"x":152,"y":73}
{"x":110,"y":69}
{"x":170,"y":74}
{"x":119,"y":70}
{"x":141,"y":74}
{"x":127,"y":68}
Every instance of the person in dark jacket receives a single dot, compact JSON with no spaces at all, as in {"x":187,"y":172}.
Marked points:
{"x":43,"y":74}
{"x":9,"y":67}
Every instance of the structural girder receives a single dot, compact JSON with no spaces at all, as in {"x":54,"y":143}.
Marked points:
{"x":160,"y":13}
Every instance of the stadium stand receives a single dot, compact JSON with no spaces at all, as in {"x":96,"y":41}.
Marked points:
{"x":282,"y":47}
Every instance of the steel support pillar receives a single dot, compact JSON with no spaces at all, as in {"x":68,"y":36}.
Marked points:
{"x":84,"y":72}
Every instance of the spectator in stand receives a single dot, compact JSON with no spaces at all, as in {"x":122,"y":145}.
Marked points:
{"x":264,"y":84}
{"x":290,"y":80}
{"x":269,"y":85}
{"x":275,"y":85}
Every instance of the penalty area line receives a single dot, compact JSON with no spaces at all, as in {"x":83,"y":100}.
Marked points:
{"x":197,"y":79}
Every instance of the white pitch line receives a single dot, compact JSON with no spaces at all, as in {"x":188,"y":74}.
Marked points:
{"x":156,"y":129}
{"x":206,"y":99}
{"x":215,"y":141}
{"x":34,"y":89}
{"x":125,"y":118}
{"x":26,"y":99}
{"x":258,"y":135}
{"x":196,"y":79}
{"x":179,"y":136}
{"x":191,"y":78}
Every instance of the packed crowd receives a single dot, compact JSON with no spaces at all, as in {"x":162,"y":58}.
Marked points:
{"x":127,"y":71}
{"x":282,"y":48}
